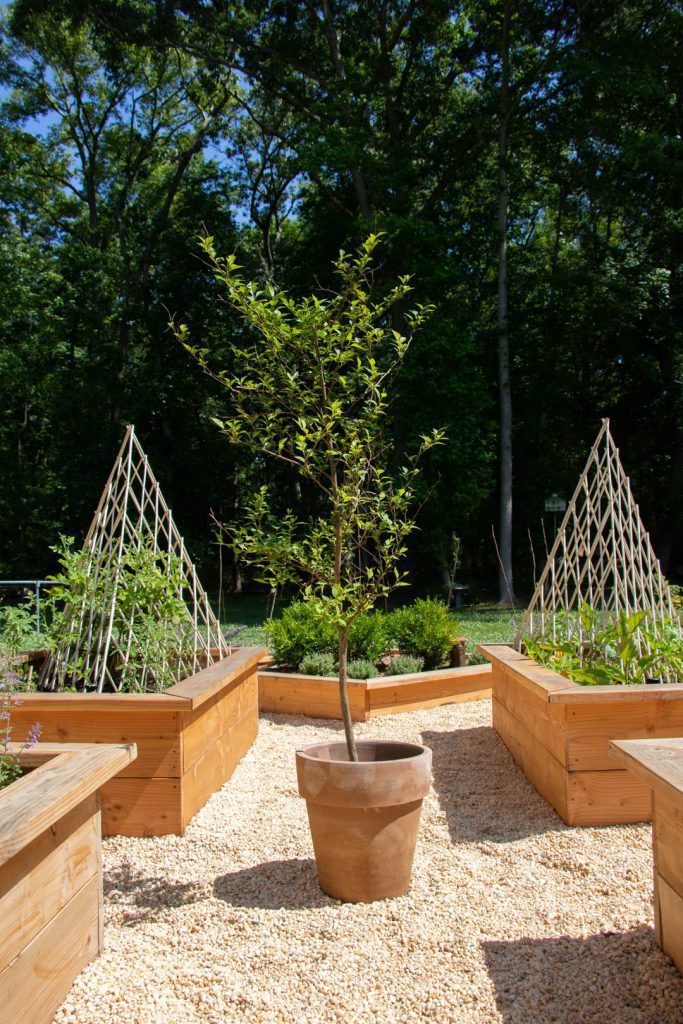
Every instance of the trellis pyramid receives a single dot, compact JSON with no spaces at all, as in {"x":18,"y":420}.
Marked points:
{"x":131,"y":512}
{"x":602,"y":554}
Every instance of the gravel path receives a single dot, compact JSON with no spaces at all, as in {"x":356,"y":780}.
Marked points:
{"x":512,"y":917}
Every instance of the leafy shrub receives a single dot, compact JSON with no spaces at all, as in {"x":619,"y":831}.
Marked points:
{"x":368,"y":637}
{"x":361,"y":668}
{"x":300,"y":631}
{"x":425,"y":629}
{"x":319,"y":663}
{"x":403,"y":665}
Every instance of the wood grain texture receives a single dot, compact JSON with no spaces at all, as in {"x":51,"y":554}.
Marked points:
{"x":40,"y":880}
{"x":540,"y":767}
{"x":668,"y":842}
{"x":545,"y":722}
{"x":607,"y":798}
{"x":142,"y":807}
{"x":217,"y":763}
{"x":39,"y":799}
{"x":658,"y":763}
{"x":205,"y":684}
{"x":173,"y":731}
{"x":671,"y":920}
{"x":532,"y":708}
{"x":154,"y":731}
{"x":34,"y":985}
{"x":204,"y":726}
{"x":592,"y":725}
{"x":290,"y":693}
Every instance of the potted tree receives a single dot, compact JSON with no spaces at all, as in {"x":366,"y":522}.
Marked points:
{"x":311,"y":390}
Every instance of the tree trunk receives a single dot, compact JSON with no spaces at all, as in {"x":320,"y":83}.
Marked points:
{"x":505,"y":583}
{"x":344,"y":694}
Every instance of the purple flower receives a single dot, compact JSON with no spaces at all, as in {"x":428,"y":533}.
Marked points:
{"x":34,"y":734}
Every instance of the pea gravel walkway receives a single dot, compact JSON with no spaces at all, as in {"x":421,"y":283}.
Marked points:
{"x":512,"y":917}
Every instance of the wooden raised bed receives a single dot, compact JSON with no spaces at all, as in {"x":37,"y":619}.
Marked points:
{"x":291,"y":693}
{"x":189,"y":739}
{"x":51,"y":875}
{"x":659,"y":765}
{"x":559,"y":732}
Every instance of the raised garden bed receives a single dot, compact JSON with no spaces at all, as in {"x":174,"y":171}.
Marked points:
{"x":291,"y":693}
{"x":51,"y":875}
{"x":659,"y":765}
{"x":559,"y":732}
{"x":189,"y":739}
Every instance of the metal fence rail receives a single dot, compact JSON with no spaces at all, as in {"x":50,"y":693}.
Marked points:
{"x":35,"y":585}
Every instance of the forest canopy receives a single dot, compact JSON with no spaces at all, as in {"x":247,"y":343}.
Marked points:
{"x":525,"y":166}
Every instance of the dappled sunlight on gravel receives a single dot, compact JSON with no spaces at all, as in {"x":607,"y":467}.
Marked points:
{"x":512,"y":916}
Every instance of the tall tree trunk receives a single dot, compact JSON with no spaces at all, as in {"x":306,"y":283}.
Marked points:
{"x":344,"y":694}
{"x":505,"y":583}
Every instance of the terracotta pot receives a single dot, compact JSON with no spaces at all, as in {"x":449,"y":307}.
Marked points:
{"x":364,"y":815}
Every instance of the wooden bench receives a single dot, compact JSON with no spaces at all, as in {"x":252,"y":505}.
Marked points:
{"x":659,"y":764}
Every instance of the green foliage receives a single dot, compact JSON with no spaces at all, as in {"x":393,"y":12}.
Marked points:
{"x":18,"y":628}
{"x":302,"y":630}
{"x":425,"y":629}
{"x":148,"y":599}
{"x":318,"y":664}
{"x":597,"y":648}
{"x":403,"y":665}
{"x":361,"y":668}
{"x":311,"y":390}
{"x":368,"y":637}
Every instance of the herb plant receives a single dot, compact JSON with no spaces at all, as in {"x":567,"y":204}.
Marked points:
{"x":10,"y":767}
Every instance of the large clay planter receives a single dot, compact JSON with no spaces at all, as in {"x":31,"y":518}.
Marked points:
{"x":364,"y":815}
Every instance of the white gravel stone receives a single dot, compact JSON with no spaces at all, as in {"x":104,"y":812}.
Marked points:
{"x":512,"y":917}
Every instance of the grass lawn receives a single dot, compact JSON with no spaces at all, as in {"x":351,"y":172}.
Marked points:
{"x":479,"y":623}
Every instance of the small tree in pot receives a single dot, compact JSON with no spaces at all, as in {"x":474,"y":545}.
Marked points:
{"x":312,"y":391}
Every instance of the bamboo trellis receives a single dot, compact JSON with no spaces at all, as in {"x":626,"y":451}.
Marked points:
{"x":94,"y":645}
{"x":602,"y":555}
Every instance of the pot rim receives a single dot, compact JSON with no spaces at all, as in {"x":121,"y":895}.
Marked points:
{"x":418,"y":750}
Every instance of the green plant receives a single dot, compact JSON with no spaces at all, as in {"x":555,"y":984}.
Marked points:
{"x":425,"y":629}
{"x":150,"y":618}
{"x":368,"y":637}
{"x":595,"y":647}
{"x":318,"y":664}
{"x":301,"y":630}
{"x":18,"y":627}
{"x":403,"y":665}
{"x":311,"y":390}
{"x":10,"y":767}
{"x":361,"y":668}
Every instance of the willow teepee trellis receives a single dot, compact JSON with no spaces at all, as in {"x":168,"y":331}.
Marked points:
{"x":601,"y":556}
{"x":96,"y":642}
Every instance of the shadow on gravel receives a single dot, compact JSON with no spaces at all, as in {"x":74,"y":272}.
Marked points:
{"x":482,"y":792}
{"x":146,"y":899}
{"x":622,"y":977}
{"x":274,"y":885}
